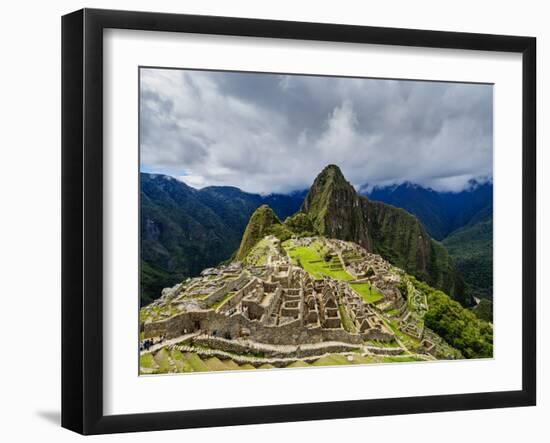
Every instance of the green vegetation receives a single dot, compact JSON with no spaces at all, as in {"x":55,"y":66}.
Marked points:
{"x":404,"y":289}
{"x":311,"y":259}
{"x":176,"y":361}
{"x":266,"y":366}
{"x":262,"y":223}
{"x":176,"y":220}
{"x":472,"y":250}
{"x":440,"y":212}
{"x":369,"y":293}
{"x":223,"y":300}
{"x":298,"y":364}
{"x":399,"y":358}
{"x":258,"y":254}
{"x":195,"y":362}
{"x":185,"y":230}
{"x":182,"y":365}
{"x":409,"y":342}
{"x":331,"y":360}
{"x":337,"y":211}
{"x":152,"y":281}
{"x":164,"y":362}
{"x":484,"y":310}
{"x":147,"y":361}
{"x":382,"y":344}
{"x":400,"y":238}
{"x":247,"y":366}
{"x":458,"y":326}
{"x":215,"y":364}
{"x":392,"y":312}
{"x":300,"y":224}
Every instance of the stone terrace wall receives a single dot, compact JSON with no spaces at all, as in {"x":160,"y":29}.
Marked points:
{"x":218,"y":294}
{"x":245,"y":347}
{"x":220,"y":325}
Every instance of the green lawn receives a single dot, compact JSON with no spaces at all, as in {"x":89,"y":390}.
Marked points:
{"x":410,"y":342}
{"x":180,"y":361}
{"x":215,"y":364}
{"x":196,"y":363}
{"x":311,"y":260}
{"x":369,"y":293}
{"x":162,"y":358}
{"x":147,"y":361}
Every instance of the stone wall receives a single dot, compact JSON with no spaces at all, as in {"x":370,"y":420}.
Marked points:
{"x":218,"y":294}
{"x":220,"y":325}
{"x":249,"y":347}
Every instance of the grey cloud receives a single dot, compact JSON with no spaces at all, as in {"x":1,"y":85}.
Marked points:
{"x":274,"y":133}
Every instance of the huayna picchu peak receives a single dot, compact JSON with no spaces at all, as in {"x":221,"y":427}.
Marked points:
{"x":338,"y":211}
{"x":335,"y":209}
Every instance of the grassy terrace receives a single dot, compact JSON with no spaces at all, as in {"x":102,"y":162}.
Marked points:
{"x":175,"y":361}
{"x":311,"y":259}
{"x":223,"y":300}
{"x":410,"y":342}
{"x":369,"y":293}
{"x":155,"y":313}
{"x":258,"y":255}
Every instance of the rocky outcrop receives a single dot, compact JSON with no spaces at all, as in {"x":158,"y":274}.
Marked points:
{"x":336,"y":210}
{"x":262,"y":223}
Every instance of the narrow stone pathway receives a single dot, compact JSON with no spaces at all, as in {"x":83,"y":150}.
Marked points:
{"x":169,"y":342}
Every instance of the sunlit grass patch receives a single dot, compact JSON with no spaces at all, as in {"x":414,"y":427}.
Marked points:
{"x":369,"y":293}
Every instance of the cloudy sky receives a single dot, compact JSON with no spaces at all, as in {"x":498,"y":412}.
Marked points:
{"x":269,"y":133}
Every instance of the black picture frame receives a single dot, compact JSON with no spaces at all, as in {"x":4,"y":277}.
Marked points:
{"x":82,"y":218}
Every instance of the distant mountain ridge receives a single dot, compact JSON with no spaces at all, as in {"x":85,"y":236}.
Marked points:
{"x":463,"y":221}
{"x":440,"y":212}
{"x":184,"y":230}
{"x":471,"y":246}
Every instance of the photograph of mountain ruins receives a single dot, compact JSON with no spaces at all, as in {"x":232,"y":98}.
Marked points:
{"x":295,"y":221}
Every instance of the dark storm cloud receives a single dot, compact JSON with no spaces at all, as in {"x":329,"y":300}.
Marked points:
{"x":274,"y":133}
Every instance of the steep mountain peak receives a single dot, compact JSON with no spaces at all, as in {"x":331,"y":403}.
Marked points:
{"x":262,"y":222}
{"x":265,"y":213}
{"x":338,"y":211}
{"x":331,"y":174}
{"x":335,"y":209}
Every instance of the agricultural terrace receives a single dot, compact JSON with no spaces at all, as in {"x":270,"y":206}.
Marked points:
{"x":369,"y":293}
{"x":174,"y":360}
{"x":317,"y":261}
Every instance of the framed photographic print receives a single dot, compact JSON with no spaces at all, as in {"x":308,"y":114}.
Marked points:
{"x":311,"y":220}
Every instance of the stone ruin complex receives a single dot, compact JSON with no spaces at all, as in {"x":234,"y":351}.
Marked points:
{"x":280,"y":304}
